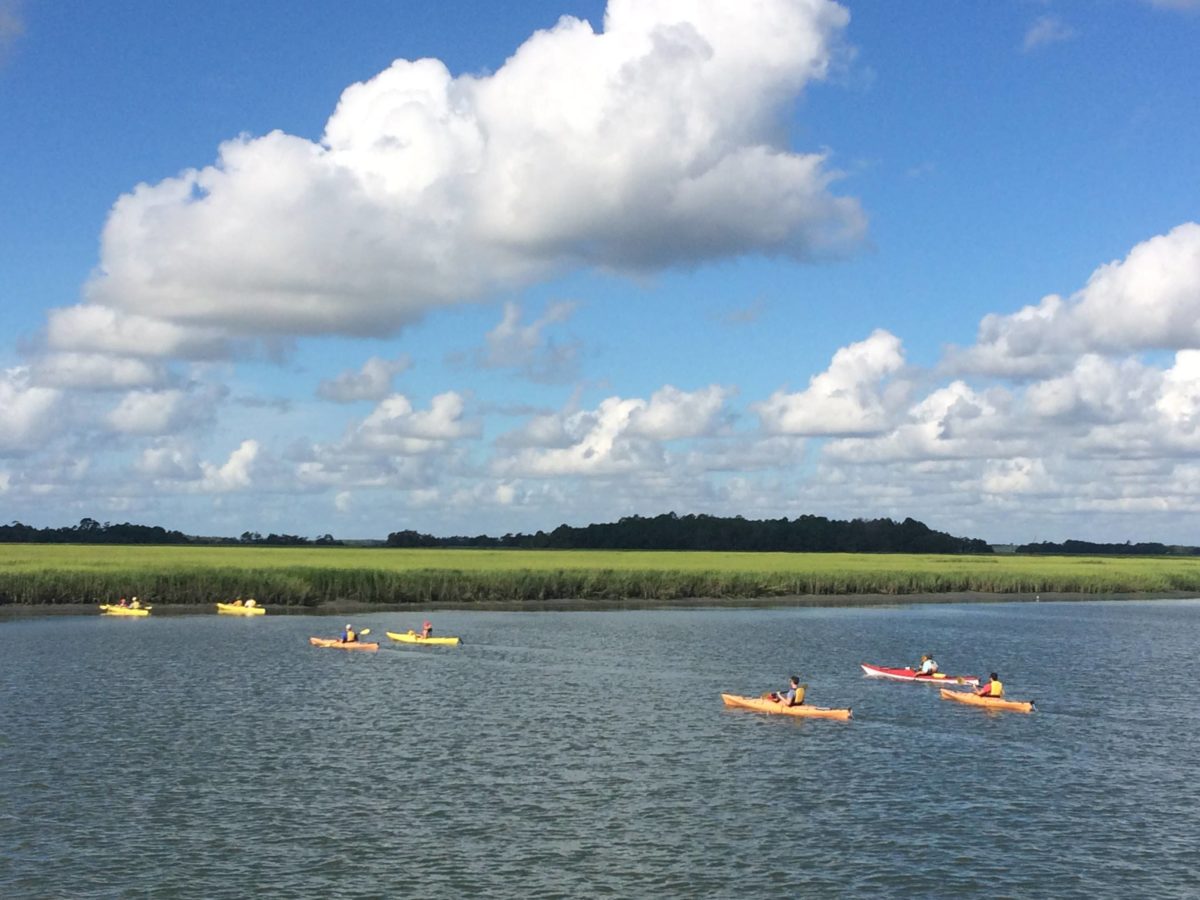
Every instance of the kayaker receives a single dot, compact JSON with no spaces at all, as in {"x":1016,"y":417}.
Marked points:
{"x":348,"y":636}
{"x":993,"y":688}
{"x":928,"y":665}
{"x":135,"y":604}
{"x":793,"y":696}
{"x":426,"y":630}
{"x":251,"y":602}
{"x":123,"y":602}
{"x":237,"y":602}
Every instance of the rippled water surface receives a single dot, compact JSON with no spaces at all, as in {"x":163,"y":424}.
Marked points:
{"x":587,"y":754}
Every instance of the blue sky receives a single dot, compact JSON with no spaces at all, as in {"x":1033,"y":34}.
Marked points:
{"x":356,"y":268}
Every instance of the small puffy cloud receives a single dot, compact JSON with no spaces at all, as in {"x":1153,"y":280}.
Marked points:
{"x":395,"y":427}
{"x":148,"y":412}
{"x":29,"y":415}
{"x":1046,"y":30}
{"x":168,"y":461}
{"x":619,"y":436}
{"x":235,"y":474}
{"x":953,"y":422}
{"x":526,"y":348}
{"x":1149,"y":300}
{"x":372,"y":382}
{"x":97,"y":372}
{"x":1179,"y":399}
{"x":1095,"y":390}
{"x":1019,"y":475}
{"x":852,"y":396}
{"x":651,"y":144}
{"x":672,"y":414}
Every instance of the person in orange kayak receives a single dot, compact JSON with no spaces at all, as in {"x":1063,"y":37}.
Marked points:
{"x":348,"y":635}
{"x":927,"y":666}
{"x":793,"y":696}
{"x":993,"y":688}
{"x":426,"y":629}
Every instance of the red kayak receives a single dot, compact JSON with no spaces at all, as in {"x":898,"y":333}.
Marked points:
{"x":913,"y":675}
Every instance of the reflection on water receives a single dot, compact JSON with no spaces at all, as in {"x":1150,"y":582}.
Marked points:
{"x":588,"y":754}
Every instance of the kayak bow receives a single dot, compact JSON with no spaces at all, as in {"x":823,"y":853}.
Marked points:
{"x":770,"y":706}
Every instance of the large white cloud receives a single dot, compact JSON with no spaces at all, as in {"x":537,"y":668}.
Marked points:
{"x":655,"y":142}
{"x":1149,"y":300}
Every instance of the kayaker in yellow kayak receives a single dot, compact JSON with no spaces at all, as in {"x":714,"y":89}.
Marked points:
{"x":348,"y":635}
{"x":993,"y":688}
{"x":927,"y":666}
{"x":135,"y":603}
{"x":426,"y":630}
{"x":793,"y":696}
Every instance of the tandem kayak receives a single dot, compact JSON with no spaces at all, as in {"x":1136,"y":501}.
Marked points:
{"x":411,"y":637}
{"x":770,"y":706}
{"x":913,"y":675}
{"x":110,"y":609}
{"x":987,"y":702}
{"x":343,"y":645}
{"x":233,"y":609}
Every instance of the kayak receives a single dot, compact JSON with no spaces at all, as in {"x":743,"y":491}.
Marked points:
{"x":110,"y":609}
{"x":411,"y":637}
{"x":987,"y":702}
{"x":770,"y":706}
{"x":913,"y":675}
{"x":233,"y":610}
{"x":353,"y":645}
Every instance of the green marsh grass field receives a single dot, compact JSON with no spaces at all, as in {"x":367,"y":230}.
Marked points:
{"x":37,"y":574}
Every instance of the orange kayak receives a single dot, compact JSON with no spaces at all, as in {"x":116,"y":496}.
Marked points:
{"x":770,"y":706}
{"x":353,"y":645}
{"x":972,"y":699}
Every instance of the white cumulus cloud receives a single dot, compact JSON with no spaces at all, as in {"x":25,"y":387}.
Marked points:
{"x":852,"y":396}
{"x":372,"y":382}
{"x":652,"y":143}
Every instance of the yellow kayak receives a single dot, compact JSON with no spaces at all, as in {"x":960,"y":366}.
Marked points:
{"x":411,"y":637}
{"x":111,"y":609}
{"x":972,"y":699}
{"x":758,"y":704}
{"x":235,"y":610}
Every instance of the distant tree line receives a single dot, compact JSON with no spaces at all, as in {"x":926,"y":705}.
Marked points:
{"x":806,"y":534}
{"x":1087,"y":548}
{"x":89,"y":531}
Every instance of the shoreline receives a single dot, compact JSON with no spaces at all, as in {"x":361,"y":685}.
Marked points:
{"x":847,"y":601}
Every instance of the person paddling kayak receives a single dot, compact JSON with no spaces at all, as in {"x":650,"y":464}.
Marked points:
{"x":426,"y":629}
{"x":927,"y":666}
{"x":993,"y":688}
{"x":348,"y":635}
{"x":793,"y":696}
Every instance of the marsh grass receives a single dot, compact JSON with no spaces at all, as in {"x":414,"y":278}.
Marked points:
{"x":37,"y":574}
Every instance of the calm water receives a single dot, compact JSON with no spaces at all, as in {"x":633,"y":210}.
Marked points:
{"x":588,"y":755}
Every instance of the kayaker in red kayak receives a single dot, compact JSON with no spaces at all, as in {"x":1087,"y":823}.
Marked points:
{"x":793,"y":696}
{"x":928,"y":665}
{"x":994,"y":687}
